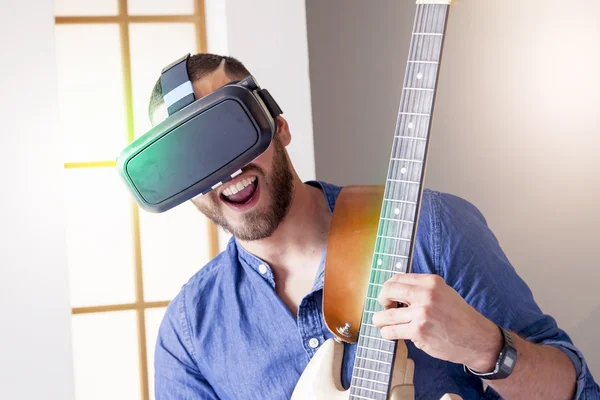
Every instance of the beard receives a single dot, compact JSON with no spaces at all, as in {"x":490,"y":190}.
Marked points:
{"x":258,"y":224}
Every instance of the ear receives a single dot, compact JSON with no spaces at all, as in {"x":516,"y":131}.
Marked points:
{"x":283,"y":131}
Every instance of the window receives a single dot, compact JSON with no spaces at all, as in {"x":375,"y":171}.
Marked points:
{"x":125,"y":265}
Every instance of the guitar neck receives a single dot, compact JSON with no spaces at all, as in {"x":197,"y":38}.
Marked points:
{"x":373,"y":364}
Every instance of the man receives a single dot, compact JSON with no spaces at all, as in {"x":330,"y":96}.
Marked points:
{"x":247,"y":324}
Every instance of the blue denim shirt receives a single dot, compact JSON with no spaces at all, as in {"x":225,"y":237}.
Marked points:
{"x":228,"y":335}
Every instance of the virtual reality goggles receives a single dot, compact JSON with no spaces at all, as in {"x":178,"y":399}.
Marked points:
{"x":202,"y":144}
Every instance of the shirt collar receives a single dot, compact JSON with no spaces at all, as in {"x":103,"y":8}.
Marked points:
{"x":250,"y":260}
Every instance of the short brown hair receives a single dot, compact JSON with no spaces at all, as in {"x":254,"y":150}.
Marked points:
{"x":198,"y":66}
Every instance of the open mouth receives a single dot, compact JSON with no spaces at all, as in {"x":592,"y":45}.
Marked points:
{"x":242,"y":192}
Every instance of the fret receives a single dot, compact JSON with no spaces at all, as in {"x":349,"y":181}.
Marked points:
{"x":423,"y":62}
{"x":398,"y":220}
{"x":390,"y":255}
{"x":383,"y":270}
{"x":428,"y":34}
{"x":377,"y":361}
{"x":370,"y":349}
{"x":415,"y":114}
{"x":376,"y":284}
{"x":394,"y":238}
{"x":374,"y":352}
{"x":367,"y":379}
{"x":401,"y":201}
{"x":372,"y":370}
{"x":401,"y":181}
{"x":418,"y":89}
{"x":360,"y":397}
{"x":381,"y":339}
{"x":410,"y":137}
{"x":407,"y":159}
{"x":371,"y":389}
{"x":366,"y":392}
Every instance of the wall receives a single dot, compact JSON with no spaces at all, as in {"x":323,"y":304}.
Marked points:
{"x":35,"y":339}
{"x":516,"y":128}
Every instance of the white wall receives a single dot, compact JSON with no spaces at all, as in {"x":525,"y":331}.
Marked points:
{"x":269,"y":37}
{"x":516,"y":128}
{"x":35,"y":343}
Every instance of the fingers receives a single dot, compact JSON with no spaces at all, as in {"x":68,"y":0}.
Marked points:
{"x":392,"y":316}
{"x":409,"y":289}
{"x":397,"y":332}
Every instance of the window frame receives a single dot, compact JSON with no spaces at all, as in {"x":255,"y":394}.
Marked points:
{"x":123,"y":19}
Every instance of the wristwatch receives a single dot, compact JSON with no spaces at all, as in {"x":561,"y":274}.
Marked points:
{"x":505,"y":363}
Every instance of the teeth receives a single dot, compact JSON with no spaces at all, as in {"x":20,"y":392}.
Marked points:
{"x":233,"y":189}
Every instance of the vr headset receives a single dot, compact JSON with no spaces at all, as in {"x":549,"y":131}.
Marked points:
{"x":202,"y":144}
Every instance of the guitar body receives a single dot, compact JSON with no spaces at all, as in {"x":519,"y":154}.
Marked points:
{"x":321,"y":378}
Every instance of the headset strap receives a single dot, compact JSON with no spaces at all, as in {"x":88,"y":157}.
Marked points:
{"x":176,"y":85}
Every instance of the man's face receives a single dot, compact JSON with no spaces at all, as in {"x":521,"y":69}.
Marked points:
{"x":251,"y":205}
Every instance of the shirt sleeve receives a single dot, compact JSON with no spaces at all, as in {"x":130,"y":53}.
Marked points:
{"x":176,"y":373}
{"x":469,"y":258}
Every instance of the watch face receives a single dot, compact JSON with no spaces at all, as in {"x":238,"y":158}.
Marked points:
{"x":508,"y":363}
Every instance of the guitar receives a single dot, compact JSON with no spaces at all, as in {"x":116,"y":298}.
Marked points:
{"x":372,"y":237}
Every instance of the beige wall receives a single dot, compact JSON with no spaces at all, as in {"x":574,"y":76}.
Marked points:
{"x":516,"y":128}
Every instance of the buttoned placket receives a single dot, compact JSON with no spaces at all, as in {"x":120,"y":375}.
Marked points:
{"x":308,"y":320}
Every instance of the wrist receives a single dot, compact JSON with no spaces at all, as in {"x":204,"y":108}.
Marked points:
{"x":490,"y":344}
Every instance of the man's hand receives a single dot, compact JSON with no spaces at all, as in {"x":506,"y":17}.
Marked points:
{"x":438,"y":321}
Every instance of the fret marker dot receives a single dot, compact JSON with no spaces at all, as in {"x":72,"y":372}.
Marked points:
{"x":397,"y":211}
{"x":411,"y":125}
{"x":398,"y":265}
{"x":420,"y":75}
{"x":379,"y":262}
{"x":403,"y":170}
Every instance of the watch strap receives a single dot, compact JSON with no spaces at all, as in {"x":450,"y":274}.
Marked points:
{"x":505,"y":363}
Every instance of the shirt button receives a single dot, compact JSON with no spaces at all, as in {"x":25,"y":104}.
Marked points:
{"x":262,"y":268}
{"x":313,"y":343}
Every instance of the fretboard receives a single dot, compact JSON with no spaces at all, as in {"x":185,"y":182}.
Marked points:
{"x":373,"y":364}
